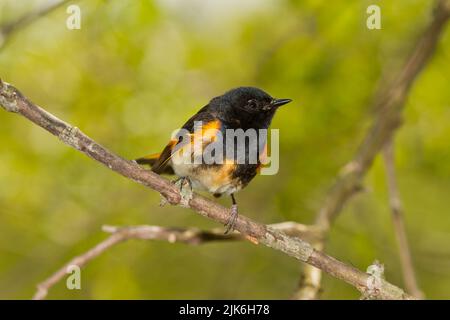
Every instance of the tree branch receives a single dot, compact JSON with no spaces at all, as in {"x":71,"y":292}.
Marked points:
{"x":389,"y":104}
{"x":398,"y":220}
{"x":12,"y":100}
{"x":191,"y":236}
{"x":9,"y":28}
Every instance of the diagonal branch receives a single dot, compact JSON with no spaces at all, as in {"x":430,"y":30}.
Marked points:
{"x":398,"y":220}
{"x":12,"y":100}
{"x":389,"y":103}
{"x":8,"y":29}
{"x":119,"y":235}
{"x":191,"y":236}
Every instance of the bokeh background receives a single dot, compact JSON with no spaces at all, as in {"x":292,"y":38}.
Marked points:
{"x":138,"y":69}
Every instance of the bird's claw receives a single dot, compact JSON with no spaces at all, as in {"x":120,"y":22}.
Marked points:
{"x":231,"y":222}
{"x":163,"y":201}
{"x":184,"y":185}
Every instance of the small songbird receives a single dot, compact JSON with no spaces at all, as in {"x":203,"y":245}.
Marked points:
{"x":245,"y":108}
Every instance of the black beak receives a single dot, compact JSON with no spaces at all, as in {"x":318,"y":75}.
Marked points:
{"x":280,"y":102}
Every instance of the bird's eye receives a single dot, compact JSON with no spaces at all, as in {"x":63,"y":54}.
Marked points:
{"x":252,"y":104}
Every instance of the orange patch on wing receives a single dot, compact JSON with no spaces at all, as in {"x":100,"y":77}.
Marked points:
{"x":172,"y":143}
{"x":208,"y":131}
{"x":202,"y":137}
{"x":199,"y":139}
{"x":152,"y":156}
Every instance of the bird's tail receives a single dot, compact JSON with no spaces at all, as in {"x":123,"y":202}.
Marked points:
{"x":148,"y":160}
{"x":153,"y":159}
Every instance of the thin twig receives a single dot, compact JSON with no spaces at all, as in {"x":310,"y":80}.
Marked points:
{"x":118,"y":235}
{"x":389,"y":103}
{"x":191,"y":236}
{"x":9,"y":28}
{"x":12,"y":100}
{"x":398,"y":220}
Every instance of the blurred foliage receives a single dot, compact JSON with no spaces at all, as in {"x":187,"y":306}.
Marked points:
{"x":138,"y":69}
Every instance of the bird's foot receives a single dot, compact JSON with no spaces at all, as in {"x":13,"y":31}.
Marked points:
{"x":185,"y":186}
{"x":231,"y":222}
{"x":163,"y":201}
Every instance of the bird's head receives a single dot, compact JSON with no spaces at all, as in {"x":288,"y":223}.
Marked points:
{"x":252,"y":100}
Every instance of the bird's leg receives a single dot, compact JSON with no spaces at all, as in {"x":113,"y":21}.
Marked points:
{"x":233,"y":216}
{"x":185,"y":186}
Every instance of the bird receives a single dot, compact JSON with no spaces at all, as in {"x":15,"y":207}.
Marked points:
{"x":216,"y":127}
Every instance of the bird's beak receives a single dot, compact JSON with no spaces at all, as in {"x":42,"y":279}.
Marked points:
{"x":279,"y":102}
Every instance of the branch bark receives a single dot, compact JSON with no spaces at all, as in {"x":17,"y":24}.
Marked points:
{"x":398,"y":220}
{"x":190,"y":236}
{"x":119,"y":235}
{"x":389,"y":103}
{"x":12,"y":100}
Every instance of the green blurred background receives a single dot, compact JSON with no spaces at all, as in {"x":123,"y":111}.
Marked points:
{"x":138,"y":69}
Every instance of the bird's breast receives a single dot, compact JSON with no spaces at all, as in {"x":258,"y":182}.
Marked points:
{"x":216,"y":179}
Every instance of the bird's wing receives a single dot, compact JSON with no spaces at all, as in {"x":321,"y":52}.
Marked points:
{"x":209,"y":126}
{"x":158,"y":161}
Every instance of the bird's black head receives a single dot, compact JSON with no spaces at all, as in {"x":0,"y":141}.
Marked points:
{"x":252,"y":100}
{"x":247,"y":107}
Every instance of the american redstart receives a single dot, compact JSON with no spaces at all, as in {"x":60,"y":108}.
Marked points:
{"x":220,"y":149}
